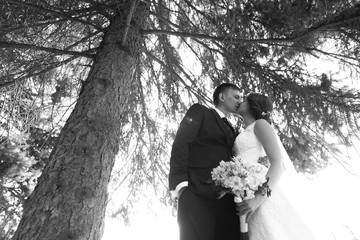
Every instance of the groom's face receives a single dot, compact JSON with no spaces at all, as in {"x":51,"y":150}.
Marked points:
{"x":231,"y":100}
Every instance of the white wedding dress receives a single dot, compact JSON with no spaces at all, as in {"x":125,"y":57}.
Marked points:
{"x":276,"y":218}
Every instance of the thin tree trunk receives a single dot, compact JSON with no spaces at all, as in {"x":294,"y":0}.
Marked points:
{"x":70,"y":199}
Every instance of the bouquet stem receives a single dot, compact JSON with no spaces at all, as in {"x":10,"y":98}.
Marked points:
{"x":243,"y":225}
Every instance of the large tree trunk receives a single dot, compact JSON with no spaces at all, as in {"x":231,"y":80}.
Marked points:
{"x":70,"y":199}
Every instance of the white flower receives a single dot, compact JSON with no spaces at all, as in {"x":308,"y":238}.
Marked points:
{"x":241,"y":178}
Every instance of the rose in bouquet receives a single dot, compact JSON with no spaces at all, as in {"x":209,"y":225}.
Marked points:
{"x":240,"y":178}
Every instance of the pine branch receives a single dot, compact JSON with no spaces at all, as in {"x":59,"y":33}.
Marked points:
{"x":189,"y":88}
{"x":11,"y":45}
{"x":5,"y":31}
{"x":128,"y":20}
{"x":99,"y":8}
{"x":198,"y":11}
{"x":83,"y":40}
{"x":217,"y":38}
{"x":340,"y":57}
{"x":55,"y":13}
{"x":163,"y":19}
{"x":336,"y":21}
{"x":55,"y":65}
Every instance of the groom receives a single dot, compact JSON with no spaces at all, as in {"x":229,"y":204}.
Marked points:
{"x":203,"y":139}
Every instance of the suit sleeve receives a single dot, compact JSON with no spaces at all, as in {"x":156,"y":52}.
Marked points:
{"x":187,"y":133}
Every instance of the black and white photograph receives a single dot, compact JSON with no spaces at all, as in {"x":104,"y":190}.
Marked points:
{"x":179,"y":119}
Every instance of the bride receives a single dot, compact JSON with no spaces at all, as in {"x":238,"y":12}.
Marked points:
{"x":273,"y":217}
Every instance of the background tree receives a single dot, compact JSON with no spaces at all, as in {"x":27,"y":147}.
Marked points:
{"x":128,"y":63}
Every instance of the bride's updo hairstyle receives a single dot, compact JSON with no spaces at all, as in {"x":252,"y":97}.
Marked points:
{"x":260,"y":106}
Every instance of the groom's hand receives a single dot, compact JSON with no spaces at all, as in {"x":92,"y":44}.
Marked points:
{"x":248,"y":207}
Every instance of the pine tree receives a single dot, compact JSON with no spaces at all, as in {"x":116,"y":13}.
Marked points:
{"x":128,"y":62}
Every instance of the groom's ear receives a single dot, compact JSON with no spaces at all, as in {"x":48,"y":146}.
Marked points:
{"x":221,"y":97}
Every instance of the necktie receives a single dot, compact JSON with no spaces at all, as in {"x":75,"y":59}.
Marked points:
{"x":230,"y":134}
{"x":228,"y":125}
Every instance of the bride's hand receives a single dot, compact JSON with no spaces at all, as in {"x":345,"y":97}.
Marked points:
{"x":248,"y":207}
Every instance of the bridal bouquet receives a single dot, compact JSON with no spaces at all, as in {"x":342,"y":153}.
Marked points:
{"x":242,"y":179}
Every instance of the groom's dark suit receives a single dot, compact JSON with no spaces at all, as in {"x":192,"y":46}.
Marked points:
{"x":202,"y":141}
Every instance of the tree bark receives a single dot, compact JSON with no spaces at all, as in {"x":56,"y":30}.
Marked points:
{"x":69,"y":201}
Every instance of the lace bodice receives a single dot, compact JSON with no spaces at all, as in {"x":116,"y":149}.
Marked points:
{"x":247,"y":146}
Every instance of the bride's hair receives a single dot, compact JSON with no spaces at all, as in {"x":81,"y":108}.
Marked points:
{"x":260,"y":106}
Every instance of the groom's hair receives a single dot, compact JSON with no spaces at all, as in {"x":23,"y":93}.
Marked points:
{"x":223,"y":88}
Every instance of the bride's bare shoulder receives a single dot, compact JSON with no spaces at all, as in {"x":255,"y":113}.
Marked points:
{"x":262,"y":123}
{"x":262,"y":127}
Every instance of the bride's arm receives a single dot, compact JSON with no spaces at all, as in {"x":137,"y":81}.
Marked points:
{"x":269,"y":139}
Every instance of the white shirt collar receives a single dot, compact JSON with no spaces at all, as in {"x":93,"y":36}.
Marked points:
{"x":221,"y":114}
